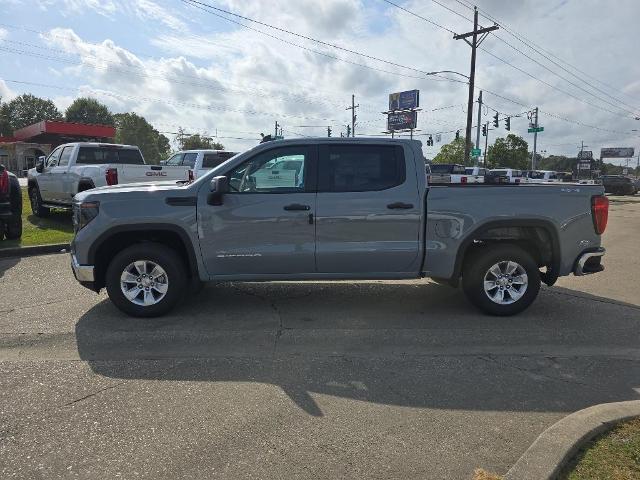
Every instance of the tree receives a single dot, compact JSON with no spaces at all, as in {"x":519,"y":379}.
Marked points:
{"x":5,"y":124}
{"x":28,"y":109}
{"x":451,"y":152}
{"x":510,"y":152}
{"x":133,"y":129}
{"x":89,"y":110}
{"x":196,"y":142}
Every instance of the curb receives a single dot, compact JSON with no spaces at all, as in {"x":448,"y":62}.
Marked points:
{"x":558,"y":444}
{"x":34,"y":250}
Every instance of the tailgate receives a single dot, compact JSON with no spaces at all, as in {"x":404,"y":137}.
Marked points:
{"x":151,"y":173}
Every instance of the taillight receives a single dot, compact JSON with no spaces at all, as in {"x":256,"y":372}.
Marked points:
{"x":463,"y":179}
{"x":428,"y":178}
{"x":191,"y":178}
{"x":600,"y":213}
{"x":111,"y":176}
{"x":4,"y":182}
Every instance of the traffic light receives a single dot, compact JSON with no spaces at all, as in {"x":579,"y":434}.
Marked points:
{"x":430,"y":141}
{"x":457,"y":134}
{"x":507,"y":123}
{"x":495,"y":120}
{"x":328,"y":131}
{"x":484,"y":130}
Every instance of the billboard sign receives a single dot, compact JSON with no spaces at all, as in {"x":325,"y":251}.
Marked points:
{"x":404,"y":100}
{"x":585,"y":155}
{"x":617,"y":152}
{"x":402,"y":121}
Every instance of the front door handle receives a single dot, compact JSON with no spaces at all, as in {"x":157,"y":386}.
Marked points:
{"x":297,"y":206}
{"x":400,"y":206}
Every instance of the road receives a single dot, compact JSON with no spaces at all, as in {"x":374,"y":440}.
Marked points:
{"x":305,"y":380}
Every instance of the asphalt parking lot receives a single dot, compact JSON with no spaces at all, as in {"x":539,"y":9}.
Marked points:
{"x":306,"y":380}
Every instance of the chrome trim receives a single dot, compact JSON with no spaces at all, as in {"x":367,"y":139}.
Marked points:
{"x":83,"y":273}
{"x":579,"y":270}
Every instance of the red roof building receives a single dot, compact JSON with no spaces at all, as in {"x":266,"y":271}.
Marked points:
{"x":20,"y":151}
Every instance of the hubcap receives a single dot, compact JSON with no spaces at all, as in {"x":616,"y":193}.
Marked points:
{"x":505,"y":282}
{"x":144,"y":282}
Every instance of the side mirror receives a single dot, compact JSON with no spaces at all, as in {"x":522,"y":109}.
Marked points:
{"x":219,"y":186}
{"x":40,"y":164}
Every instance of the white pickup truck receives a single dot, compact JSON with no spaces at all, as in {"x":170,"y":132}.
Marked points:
{"x":75,"y":167}
{"x":200,"y":161}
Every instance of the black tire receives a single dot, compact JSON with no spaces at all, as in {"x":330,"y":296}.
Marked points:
{"x":14,"y":229}
{"x":36,"y":203}
{"x":161,"y":255}
{"x":478,"y":265}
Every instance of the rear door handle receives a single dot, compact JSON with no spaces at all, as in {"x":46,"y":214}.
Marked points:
{"x":297,"y":206}
{"x":400,"y":206}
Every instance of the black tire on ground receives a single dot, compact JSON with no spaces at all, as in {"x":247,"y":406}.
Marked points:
{"x":477,"y":265}
{"x":36,"y":203}
{"x":163,"y":256}
{"x":14,"y":228}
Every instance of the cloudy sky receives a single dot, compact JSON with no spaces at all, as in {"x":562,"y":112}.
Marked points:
{"x":181,"y":64}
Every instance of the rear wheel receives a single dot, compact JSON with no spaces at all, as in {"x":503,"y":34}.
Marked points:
{"x":501,"y":279}
{"x":146,"y":280}
{"x":36,"y":203}
{"x":13,"y":229}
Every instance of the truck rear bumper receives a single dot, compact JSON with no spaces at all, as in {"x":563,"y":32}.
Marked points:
{"x":589,"y":262}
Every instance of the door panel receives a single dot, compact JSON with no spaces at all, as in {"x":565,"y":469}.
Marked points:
{"x":368,"y":211}
{"x":265,"y":225}
{"x":45,"y":179}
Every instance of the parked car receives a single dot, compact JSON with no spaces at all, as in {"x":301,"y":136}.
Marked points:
{"x":200,"y":161}
{"x":363,"y":210}
{"x":443,"y":173}
{"x":10,"y":205}
{"x":542,"y":176}
{"x":514,"y":176}
{"x":618,"y":185}
{"x":74,"y":167}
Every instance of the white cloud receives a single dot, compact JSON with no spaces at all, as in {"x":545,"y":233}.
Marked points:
{"x":214,"y":80}
{"x":3,"y":33}
{"x":5,"y":92}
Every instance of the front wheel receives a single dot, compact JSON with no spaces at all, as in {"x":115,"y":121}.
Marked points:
{"x":501,"y":279}
{"x":146,"y":280}
{"x":14,"y":229}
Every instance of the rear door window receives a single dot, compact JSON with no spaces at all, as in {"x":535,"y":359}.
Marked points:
{"x":361,"y":168}
{"x":212,"y":160}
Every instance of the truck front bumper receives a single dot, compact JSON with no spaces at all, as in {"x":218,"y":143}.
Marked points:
{"x":83,"y":273}
{"x":589,"y":262}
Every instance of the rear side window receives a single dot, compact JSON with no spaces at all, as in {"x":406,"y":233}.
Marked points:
{"x":66,"y":155}
{"x":212,"y":160}
{"x":98,"y":155}
{"x":361,"y":168}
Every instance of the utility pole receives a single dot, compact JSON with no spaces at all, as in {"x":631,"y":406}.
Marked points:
{"x":353,"y":115}
{"x":474,"y":44}
{"x":478,"y":126}
{"x":535,"y":138}
{"x":275,"y":134}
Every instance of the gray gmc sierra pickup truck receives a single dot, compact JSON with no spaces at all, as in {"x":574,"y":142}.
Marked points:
{"x":355,"y":208}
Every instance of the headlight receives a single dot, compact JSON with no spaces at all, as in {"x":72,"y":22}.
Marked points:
{"x":83,"y":213}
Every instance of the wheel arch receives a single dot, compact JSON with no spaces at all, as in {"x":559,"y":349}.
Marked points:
{"x":116,"y":239}
{"x":528,"y":233}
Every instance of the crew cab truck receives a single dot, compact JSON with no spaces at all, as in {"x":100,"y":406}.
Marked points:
{"x":75,"y":167}
{"x":10,"y":205}
{"x":323,"y":209}
{"x":200,"y":161}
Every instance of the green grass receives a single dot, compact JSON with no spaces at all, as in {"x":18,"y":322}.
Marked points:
{"x":613,"y":456}
{"x":56,"y":228}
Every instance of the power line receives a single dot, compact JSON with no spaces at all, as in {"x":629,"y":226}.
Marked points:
{"x":204,"y":7}
{"x":420,"y":16}
{"x":633,"y":114}
{"x":170,"y":102}
{"x":546,"y":53}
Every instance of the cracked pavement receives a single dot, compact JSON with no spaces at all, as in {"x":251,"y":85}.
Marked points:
{"x":305,"y":380}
